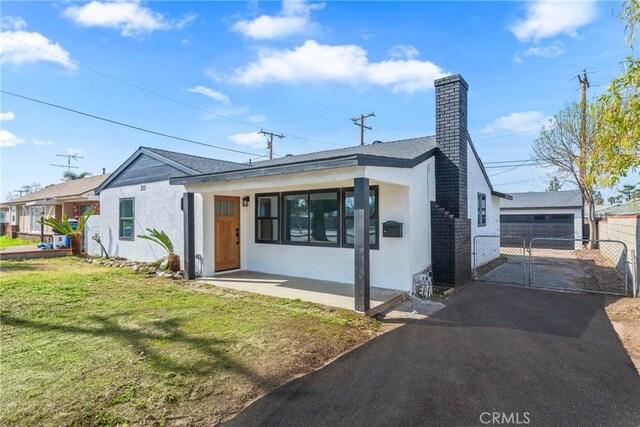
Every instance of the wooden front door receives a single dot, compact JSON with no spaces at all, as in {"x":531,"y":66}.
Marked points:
{"x":227,"y":232}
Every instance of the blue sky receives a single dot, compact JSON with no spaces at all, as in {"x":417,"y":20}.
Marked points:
{"x":303,"y":69}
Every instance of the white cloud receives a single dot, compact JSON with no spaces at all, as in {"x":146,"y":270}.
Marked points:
{"x":72,"y":151}
{"x":257,"y":118}
{"x":546,"y":19}
{"x":551,"y":51}
{"x":130,"y":18}
{"x":314,"y":62}
{"x":251,"y":139}
{"x":23,"y":47}
{"x":403,"y":51}
{"x":210,"y":93}
{"x":42,"y":142}
{"x":5,"y":117}
{"x":8,"y":139}
{"x":295,"y":18}
{"x":519,"y":122}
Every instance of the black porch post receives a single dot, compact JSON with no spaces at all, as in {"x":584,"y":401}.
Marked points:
{"x":361,"y":242}
{"x":189,"y":236}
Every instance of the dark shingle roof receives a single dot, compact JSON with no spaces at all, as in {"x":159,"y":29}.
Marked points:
{"x":544,"y":199}
{"x":402,"y":149}
{"x":197,"y":163}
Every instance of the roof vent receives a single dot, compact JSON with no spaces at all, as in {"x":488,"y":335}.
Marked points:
{"x":377,"y":141}
{"x":288,"y":155}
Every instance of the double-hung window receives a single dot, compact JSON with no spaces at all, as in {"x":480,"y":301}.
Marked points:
{"x":127,"y":219}
{"x":482,"y":210}
{"x":348,"y":218}
{"x":311,"y":217}
{"x":267,"y":218}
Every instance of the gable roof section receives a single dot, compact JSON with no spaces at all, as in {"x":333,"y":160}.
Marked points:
{"x":544,"y":199}
{"x":183,"y":164}
{"x":484,"y":172}
{"x":76,"y":187}
{"x":405,"y":153}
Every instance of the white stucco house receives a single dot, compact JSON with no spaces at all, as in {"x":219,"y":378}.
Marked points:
{"x":369,"y":215}
{"x":137,"y":196}
{"x":544,"y":214}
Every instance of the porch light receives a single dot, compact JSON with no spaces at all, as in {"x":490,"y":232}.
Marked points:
{"x":245,"y":201}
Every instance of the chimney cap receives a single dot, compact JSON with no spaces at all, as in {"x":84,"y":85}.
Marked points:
{"x":456,"y":78}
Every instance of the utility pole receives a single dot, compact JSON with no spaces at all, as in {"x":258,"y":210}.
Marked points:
{"x":68,"y":166}
{"x":582,"y":162}
{"x":359,"y":121}
{"x":270,"y":141}
{"x":22,"y":192}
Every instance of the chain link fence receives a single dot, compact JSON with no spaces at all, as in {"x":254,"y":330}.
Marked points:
{"x":599,"y":266}
{"x":499,"y":259}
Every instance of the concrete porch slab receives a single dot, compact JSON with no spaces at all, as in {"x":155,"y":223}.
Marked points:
{"x":318,"y":291}
{"x":31,"y":252}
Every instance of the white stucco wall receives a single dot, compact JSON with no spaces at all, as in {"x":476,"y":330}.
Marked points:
{"x":158,"y":206}
{"x":487,"y":248}
{"x":392,"y":265}
{"x":92,"y":227}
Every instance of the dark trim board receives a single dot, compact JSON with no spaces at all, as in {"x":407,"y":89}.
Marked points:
{"x":306,"y":166}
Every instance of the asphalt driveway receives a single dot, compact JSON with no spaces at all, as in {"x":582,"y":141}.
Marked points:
{"x":545,"y":357}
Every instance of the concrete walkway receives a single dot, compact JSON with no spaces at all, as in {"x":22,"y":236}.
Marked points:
{"x":31,"y":252}
{"x":318,"y":291}
{"x":548,"y":357}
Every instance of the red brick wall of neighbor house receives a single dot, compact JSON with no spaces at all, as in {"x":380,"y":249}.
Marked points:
{"x":34,"y":237}
{"x":75,"y":207}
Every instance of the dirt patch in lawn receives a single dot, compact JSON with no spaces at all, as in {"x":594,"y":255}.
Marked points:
{"x":84,"y":344}
{"x":624,"y":314}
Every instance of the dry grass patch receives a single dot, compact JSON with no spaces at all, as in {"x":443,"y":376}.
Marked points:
{"x":89,"y":345}
{"x":624,"y":314}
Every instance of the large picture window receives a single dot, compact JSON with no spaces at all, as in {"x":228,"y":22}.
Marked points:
{"x":482,"y":210}
{"x":127,"y":227}
{"x":267,"y":218}
{"x":311,"y":217}
{"x":348,"y":219}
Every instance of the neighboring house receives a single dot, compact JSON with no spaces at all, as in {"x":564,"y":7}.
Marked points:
{"x":138,"y":196}
{"x":630,"y":207}
{"x":5,"y":215}
{"x":551,"y":214}
{"x":371,"y":215}
{"x":70,"y":198}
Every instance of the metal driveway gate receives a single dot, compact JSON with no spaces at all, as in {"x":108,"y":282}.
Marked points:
{"x":603,"y":269}
{"x":499,"y":259}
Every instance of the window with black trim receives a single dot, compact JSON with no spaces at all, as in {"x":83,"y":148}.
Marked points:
{"x":482,"y":210}
{"x":311,"y":217}
{"x":126,"y":221}
{"x":348,"y":219}
{"x":267,"y":218}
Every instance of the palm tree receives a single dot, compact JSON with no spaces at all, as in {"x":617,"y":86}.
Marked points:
{"x":161,"y":238}
{"x":64,"y":227}
{"x":71,"y":176}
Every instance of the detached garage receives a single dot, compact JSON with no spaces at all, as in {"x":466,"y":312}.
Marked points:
{"x":551,"y":214}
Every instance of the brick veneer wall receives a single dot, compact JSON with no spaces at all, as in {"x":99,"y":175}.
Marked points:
{"x":450,"y":225}
{"x":75,"y":206}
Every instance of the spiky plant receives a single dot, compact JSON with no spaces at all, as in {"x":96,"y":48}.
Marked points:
{"x":161,"y":238}
{"x":63,"y":226}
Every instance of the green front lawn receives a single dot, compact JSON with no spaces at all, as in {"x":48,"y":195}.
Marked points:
{"x":91,"y":345}
{"x":6,"y":241}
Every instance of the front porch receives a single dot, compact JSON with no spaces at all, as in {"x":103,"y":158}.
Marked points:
{"x":317,"y":291}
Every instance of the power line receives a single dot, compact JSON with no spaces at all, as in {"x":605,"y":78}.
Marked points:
{"x":165,"y":135}
{"x":160,"y":95}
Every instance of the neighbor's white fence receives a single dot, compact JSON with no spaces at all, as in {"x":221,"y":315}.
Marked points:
{"x":625,"y":228}
{"x":92,"y":227}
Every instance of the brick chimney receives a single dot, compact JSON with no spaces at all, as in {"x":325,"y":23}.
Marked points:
{"x":450,"y":225}
{"x":451,"y":140}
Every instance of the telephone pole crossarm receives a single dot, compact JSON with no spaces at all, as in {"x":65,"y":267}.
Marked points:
{"x":270,"y":141}
{"x":359,"y":121}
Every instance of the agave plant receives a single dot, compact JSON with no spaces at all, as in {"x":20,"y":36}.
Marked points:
{"x":161,"y":238}
{"x":64,"y":227}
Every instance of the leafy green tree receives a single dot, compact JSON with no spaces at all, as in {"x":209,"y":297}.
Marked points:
{"x":628,"y":191}
{"x":614,"y":200}
{"x":619,"y":118}
{"x":597,"y":198}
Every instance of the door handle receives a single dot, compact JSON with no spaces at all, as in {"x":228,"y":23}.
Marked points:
{"x":237,"y":236}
